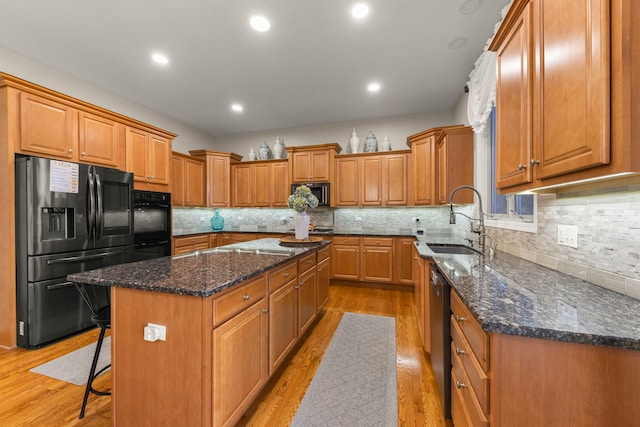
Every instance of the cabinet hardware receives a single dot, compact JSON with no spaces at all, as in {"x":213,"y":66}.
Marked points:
{"x":70,"y":150}
{"x":83,"y":154}
{"x":534,"y":162}
{"x":460,"y":351}
{"x":459,"y":318}
{"x":265,"y":310}
{"x":246,"y":297}
{"x":286,"y":274}
{"x":521,"y":166}
{"x":460,"y":385}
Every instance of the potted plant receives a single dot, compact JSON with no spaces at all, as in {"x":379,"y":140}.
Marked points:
{"x":301,"y":200}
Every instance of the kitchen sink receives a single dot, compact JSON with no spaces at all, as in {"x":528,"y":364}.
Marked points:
{"x":454,"y":249}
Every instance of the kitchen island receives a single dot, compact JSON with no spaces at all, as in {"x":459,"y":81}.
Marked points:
{"x":533,"y":346}
{"x":232,"y":314}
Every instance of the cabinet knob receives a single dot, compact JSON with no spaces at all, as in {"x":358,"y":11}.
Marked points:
{"x":83,"y":154}
{"x":246,"y":297}
{"x":70,"y":150}
{"x":286,"y":274}
{"x":459,"y":318}
{"x":265,"y":310}
{"x":460,"y":351}
{"x":460,"y":385}
{"x":521,"y":166}
{"x":301,"y":284}
{"x":534,"y":162}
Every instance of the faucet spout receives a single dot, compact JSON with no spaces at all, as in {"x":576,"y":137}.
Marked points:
{"x":452,"y":214}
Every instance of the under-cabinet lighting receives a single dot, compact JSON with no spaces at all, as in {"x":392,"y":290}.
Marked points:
{"x":580,"y":181}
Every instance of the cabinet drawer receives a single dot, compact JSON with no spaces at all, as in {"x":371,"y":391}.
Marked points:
{"x":279,"y":277}
{"x":322,"y":254}
{"x":477,"y":338}
{"x":237,"y":300}
{"x":463,"y":356}
{"x":377,"y":241}
{"x":306,"y":262}
{"x":347,"y":241}
{"x":201,"y":239}
{"x":466,"y":406}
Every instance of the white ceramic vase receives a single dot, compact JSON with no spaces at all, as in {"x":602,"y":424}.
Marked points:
{"x":354,"y":141}
{"x":252,"y":154}
{"x":301,"y":225}
{"x":278,"y":148}
{"x":386,"y":144}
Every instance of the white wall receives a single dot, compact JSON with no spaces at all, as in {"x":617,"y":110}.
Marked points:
{"x":396,"y":128}
{"x":188,"y":138}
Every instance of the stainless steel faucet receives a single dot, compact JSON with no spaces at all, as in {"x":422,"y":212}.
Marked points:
{"x":452,"y":215}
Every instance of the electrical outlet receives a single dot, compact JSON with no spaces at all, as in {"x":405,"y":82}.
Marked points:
{"x":416,"y":220}
{"x":568,"y":235}
{"x":358,"y":219}
{"x":153,"y":332}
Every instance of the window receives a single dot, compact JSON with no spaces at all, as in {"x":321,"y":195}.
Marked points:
{"x":511,"y":211}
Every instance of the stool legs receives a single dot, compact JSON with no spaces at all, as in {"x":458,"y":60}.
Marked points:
{"x":93,"y":374}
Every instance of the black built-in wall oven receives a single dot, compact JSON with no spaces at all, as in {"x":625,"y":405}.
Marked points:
{"x":151,"y":224}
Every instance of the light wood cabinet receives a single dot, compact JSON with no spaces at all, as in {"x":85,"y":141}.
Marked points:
{"x":54,"y":129}
{"x":371,"y":179}
{"x":323,"y":278}
{"x":422,"y":168}
{"x":187,"y":181}
{"x":307,"y":303}
{"x":312,"y":163}
{"x":218,"y":175}
{"x":564,"y":116}
{"x":377,"y":259}
{"x":283,"y":313}
{"x":345,"y":256}
{"x":403,"y":249}
{"x":263,"y":183}
{"x":186,"y":244}
{"x":455,"y":163}
{"x":420,"y":291}
{"x":148,"y":158}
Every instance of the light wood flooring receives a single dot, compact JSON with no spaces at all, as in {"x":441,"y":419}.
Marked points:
{"x":28,"y":399}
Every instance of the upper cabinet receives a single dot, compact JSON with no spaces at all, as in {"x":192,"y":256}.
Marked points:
{"x":441,"y":160}
{"x":54,"y":129}
{"x":148,"y":158}
{"x":263,"y":183}
{"x":188,"y":175}
{"x":566,"y":80}
{"x":371,"y":179}
{"x":218,"y":175}
{"x":312,"y":163}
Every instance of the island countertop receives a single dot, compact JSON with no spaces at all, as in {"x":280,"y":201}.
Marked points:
{"x":509,"y":295}
{"x":200,"y":273}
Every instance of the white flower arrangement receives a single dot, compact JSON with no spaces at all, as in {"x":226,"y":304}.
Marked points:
{"x":302,"y":199}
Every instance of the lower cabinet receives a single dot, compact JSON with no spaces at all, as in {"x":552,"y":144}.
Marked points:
{"x":323,"y":271}
{"x":421,"y":273}
{"x":186,"y":244}
{"x":307,"y":307}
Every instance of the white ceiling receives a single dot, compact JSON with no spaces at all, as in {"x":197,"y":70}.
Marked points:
{"x":311,"y":68}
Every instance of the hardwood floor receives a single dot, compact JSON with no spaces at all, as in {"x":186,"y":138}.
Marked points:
{"x":28,"y":399}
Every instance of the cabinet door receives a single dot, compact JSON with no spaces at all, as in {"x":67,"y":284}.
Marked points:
{"x":159,"y":155}
{"x":423,"y":170}
{"x":347,"y":182}
{"x":177,"y":181}
{"x":283,"y":326}
{"x":237,"y":380}
{"x":345,"y":262}
{"x":302,"y":169}
{"x":280,"y":190}
{"x":99,"y":141}
{"x":323,"y":276}
{"x":371,"y":181}
{"x":394,"y":180}
{"x":306,"y":300}
{"x":402,"y":261}
{"x":320,"y":165}
{"x":137,"y":157}
{"x":194,"y":178}
{"x":261,"y":184}
{"x":572,"y":88}
{"x":242,"y":183}
{"x":218,"y":174}
{"x":47,"y":127}
{"x":377,"y":264}
{"x":513,"y":114}
{"x":419,"y":286}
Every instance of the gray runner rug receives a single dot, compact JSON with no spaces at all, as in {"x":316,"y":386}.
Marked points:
{"x":356,"y":383}
{"x":74,"y":367}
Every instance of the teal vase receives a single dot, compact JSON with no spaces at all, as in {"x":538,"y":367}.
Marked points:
{"x":217,"y":222}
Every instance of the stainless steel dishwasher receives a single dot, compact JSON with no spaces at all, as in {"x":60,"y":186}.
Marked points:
{"x":440,"y":327}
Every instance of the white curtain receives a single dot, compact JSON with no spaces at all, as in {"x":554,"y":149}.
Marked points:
{"x":482,"y":91}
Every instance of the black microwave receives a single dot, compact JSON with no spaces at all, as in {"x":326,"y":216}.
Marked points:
{"x":318,"y":189}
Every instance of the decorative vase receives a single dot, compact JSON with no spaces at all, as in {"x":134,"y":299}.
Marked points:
{"x":217,"y":222}
{"x":264,"y":153}
{"x":301,"y":225}
{"x":354,"y":141}
{"x":278,"y":148}
{"x":370,"y":143}
{"x":386,"y":144}
{"x":252,"y":154}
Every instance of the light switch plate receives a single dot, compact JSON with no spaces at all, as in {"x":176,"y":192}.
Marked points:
{"x":568,"y":235}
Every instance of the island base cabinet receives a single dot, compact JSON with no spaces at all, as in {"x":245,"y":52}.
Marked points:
{"x":239,"y":363}
{"x":539,"y":382}
{"x":283,"y":326}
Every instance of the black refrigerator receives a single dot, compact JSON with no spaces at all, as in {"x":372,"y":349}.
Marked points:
{"x":69,"y":218}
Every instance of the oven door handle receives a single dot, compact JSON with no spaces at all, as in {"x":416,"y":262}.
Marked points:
{"x":163,"y":242}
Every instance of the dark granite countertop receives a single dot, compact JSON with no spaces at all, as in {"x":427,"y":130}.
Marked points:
{"x":509,"y":295}
{"x":200,"y":273}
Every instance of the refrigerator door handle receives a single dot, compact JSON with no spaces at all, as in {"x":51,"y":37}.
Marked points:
{"x":91,"y":217}
{"x":82,"y":258}
{"x":99,"y":213}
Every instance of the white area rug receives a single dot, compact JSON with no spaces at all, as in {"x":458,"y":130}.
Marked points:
{"x":74,"y":367}
{"x":356,"y":383}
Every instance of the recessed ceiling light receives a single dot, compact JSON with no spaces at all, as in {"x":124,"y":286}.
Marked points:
{"x":471,"y":6}
{"x":160,"y":58}
{"x":458,"y":43}
{"x":237,"y":108}
{"x":260,"y":23}
{"x":373,"y":87}
{"x":360,"y":10}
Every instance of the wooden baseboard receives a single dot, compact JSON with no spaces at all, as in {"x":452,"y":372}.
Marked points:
{"x":372,"y":285}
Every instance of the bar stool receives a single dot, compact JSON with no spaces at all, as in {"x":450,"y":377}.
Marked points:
{"x":98,"y":300}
